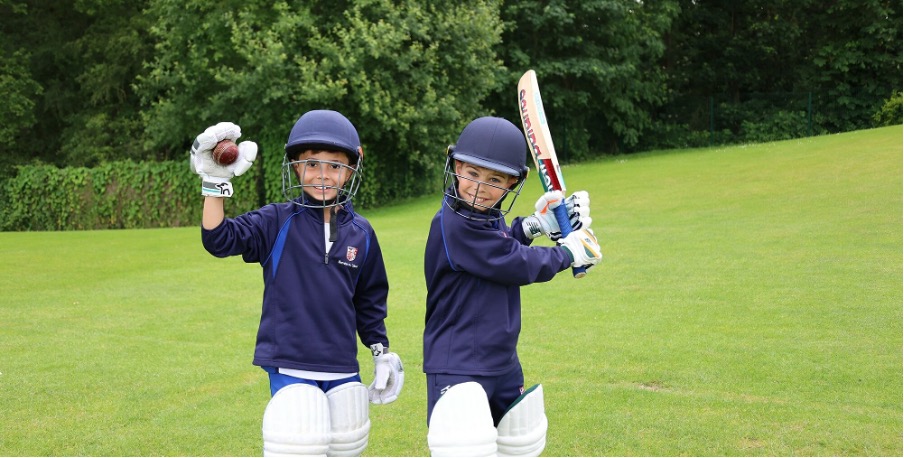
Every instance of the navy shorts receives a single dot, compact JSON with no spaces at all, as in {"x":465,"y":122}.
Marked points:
{"x":502,"y":390}
{"x":278,"y":381}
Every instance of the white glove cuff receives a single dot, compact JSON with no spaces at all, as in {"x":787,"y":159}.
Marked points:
{"x":378,"y":349}
{"x":216,"y":187}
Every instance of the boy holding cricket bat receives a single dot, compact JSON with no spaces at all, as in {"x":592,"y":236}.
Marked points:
{"x":474,"y":266}
{"x":324,"y":280}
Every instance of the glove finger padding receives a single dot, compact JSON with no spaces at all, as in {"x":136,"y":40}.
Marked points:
{"x":389,"y":377}
{"x":578,"y":205}
{"x":207,"y":140}
{"x":583,"y":248}
{"x":247,"y":155}
{"x":548,"y":201}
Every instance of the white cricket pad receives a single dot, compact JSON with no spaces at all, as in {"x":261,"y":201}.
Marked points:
{"x":461,"y":423}
{"x":522,"y":430}
{"x":349,"y":419}
{"x":297,"y":422}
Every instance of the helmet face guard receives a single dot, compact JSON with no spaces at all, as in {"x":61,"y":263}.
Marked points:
{"x":304,"y":184}
{"x":468,"y":207}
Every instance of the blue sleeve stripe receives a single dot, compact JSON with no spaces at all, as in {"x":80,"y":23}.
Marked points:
{"x":280,"y":244}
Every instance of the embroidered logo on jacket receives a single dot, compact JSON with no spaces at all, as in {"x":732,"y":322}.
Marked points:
{"x":351,"y":253}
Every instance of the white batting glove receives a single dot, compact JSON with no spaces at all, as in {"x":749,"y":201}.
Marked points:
{"x":582,"y":247}
{"x":543,"y":221}
{"x":389,"y":376}
{"x":578,"y":207}
{"x":215,"y":177}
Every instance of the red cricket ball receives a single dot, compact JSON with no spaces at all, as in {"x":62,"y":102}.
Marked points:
{"x":226,"y":152}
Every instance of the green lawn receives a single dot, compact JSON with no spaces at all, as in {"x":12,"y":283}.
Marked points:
{"x":749,"y":304}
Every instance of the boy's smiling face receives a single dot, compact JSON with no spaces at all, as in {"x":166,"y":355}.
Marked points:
{"x":322,"y":173}
{"x":480,"y":186}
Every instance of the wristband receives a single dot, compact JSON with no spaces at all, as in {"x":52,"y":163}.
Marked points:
{"x":532,"y":227}
{"x":377,"y":349}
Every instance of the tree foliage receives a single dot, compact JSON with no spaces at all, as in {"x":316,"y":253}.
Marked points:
{"x":407,"y":74}
{"x":846,"y":54}
{"x":69,"y":66}
{"x":855,"y":53}
{"x":111,"y":51}
{"x":17,"y":113}
{"x":88,"y":82}
{"x":597,"y":63}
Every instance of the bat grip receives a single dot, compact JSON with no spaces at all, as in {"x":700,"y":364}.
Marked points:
{"x":565,"y":227}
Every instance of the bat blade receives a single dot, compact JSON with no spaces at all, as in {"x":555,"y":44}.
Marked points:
{"x":536,"y":131}
{"x":542,"y":150}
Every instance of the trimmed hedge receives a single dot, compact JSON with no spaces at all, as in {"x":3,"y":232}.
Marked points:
{"x":115,"y":195}
{"x":132,"y":195}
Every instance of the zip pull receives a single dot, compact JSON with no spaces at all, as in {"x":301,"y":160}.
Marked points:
{"x":333,"y":235}
{"x":334,"y":228}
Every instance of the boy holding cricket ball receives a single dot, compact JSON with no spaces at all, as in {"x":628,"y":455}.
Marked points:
{"x":324,"y":281}
{"x":474,"y":266}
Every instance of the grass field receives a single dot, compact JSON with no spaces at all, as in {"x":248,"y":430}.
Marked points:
{"x":749,"y":304}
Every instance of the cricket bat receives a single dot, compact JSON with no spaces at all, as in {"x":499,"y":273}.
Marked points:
{"x":539,"y":141}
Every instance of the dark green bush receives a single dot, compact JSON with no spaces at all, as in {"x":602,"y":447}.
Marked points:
{"x":890,"y":113}
{"x":780,"y":125}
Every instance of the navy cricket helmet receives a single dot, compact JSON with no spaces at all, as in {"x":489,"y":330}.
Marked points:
{"x":493,"y":143}
{"x":324,"y":130}
{"x":321,"y":130}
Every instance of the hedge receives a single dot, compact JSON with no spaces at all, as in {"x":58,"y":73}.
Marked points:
{"x":115,"y":195}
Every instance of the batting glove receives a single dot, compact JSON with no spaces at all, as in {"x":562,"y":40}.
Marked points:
{"x":543,"y":221}
{"x":215,"y":177}
{"x":389,"y":377}
{"x":582,"y":248}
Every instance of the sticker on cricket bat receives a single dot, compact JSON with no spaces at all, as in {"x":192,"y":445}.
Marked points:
{"x":542,"y":150}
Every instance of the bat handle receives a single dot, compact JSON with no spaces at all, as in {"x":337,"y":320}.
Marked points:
{"x":565,"y":226}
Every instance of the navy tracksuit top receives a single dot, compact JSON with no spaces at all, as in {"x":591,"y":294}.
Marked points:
{"x":314,"y":302}
{"x":474,"y":272}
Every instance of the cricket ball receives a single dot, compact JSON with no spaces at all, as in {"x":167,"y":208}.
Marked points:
{"x":226,"y":152}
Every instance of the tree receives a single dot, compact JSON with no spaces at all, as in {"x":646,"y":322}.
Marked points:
{"x":764,"y":54}
{"x":408,"y":74}
{"x":854,"y":53}
{"x":417,"y":73}
{"x":69,"y":66}
{"x":34,"y":64}
{"x":17,"y":113}
{"x":112,"y":49}
{"x":739,"y":46}
{"x":598,"y":67}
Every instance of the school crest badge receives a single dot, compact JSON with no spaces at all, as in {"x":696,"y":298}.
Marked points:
{"x":351,"y":253}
